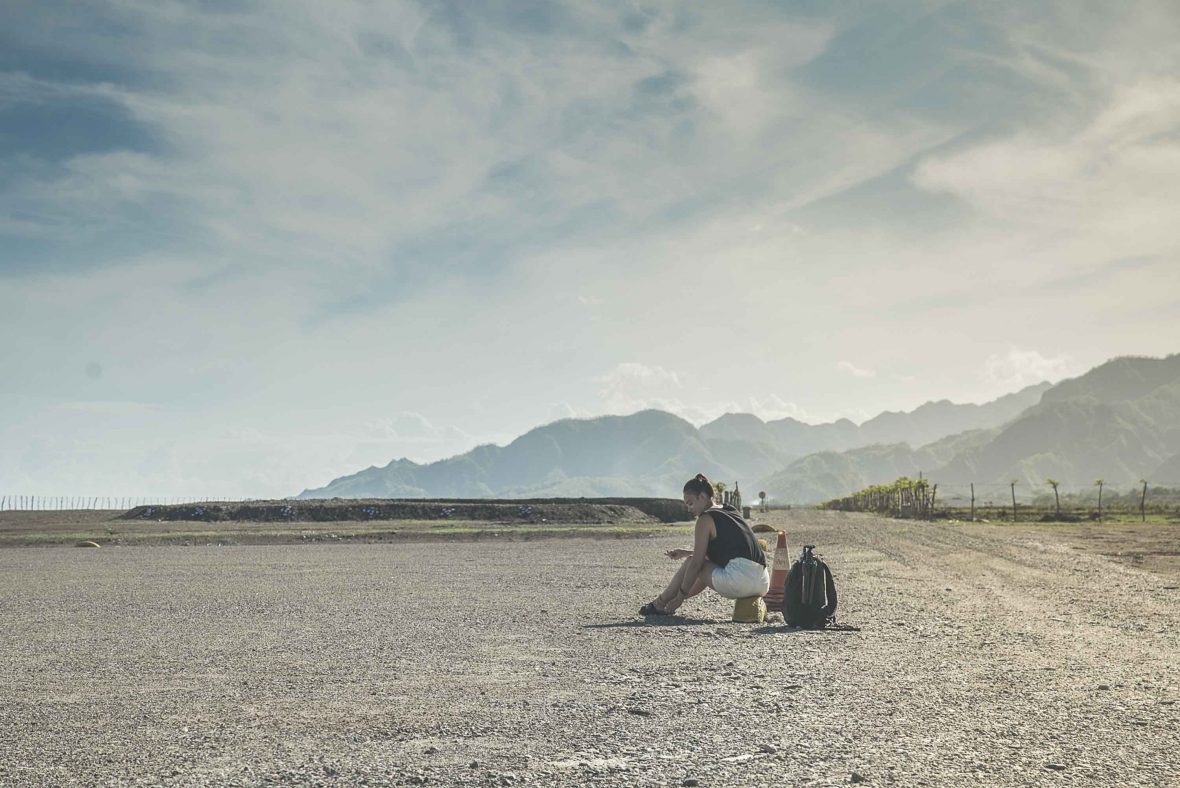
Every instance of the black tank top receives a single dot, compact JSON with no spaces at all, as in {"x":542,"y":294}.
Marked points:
{"x":734,"y":539}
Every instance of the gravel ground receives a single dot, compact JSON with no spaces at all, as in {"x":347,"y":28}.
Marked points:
{"x":986,"y":654}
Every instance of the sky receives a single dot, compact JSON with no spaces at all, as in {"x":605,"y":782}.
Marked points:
{"x":248,"y":247}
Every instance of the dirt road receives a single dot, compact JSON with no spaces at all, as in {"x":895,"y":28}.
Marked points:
{"x":986,"y":655}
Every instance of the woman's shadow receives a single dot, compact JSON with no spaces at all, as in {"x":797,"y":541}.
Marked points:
{"x":655,"y":621}
{"x":680,"y":621}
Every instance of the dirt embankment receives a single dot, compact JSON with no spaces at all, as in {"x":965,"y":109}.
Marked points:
{"x":547,"y":510}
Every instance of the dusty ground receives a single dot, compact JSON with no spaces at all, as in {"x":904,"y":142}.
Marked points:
{"x":990,"y":655}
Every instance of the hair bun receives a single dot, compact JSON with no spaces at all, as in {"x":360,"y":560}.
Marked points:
{"x":699,"y":485}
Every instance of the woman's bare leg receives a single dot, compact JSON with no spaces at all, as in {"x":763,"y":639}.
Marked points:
{"x":673,"y":587}
{"x":704,"y":580}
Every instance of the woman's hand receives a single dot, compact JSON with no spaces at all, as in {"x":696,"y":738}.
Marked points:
{"x":678,"y":553}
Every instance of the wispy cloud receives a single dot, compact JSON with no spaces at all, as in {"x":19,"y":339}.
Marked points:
{"x":411,"y":428}
{"x":1108,"y":181}
{"x":1022,"y":367}
{"x":631,"y":387}
{"x":855,"y":371}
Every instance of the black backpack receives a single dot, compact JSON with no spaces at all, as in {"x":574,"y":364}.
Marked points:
{"x":809,"y":596}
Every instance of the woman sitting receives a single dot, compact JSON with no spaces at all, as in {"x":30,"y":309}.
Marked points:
{"x":725,"y":556}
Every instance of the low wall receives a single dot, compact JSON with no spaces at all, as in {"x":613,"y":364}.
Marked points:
{"x":527,"y":510}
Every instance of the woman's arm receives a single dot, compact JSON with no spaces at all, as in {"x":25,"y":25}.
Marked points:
{"x":700,"y":546}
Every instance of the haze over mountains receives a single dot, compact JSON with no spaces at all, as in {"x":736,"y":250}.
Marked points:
{"x":1119,"y":421}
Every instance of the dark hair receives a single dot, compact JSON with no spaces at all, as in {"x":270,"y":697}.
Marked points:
{"x":699,"y":485}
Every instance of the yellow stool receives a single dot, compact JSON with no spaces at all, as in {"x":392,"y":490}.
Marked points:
{"x":749,"y":610}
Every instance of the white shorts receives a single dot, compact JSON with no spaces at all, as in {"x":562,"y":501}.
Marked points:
{"x":741,"y":578}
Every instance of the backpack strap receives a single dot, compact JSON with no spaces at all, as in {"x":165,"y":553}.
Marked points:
{"x":805,"y":574}
{"x":829,"y":610}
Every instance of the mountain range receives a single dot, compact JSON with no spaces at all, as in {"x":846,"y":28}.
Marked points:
{"x":652,"y":452}
{"x":1120,"y":421}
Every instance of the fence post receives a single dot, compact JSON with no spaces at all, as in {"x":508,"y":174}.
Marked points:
{"x":972,"y":501}
{"x":1013,"y":501}
{"x":1143,"y":504}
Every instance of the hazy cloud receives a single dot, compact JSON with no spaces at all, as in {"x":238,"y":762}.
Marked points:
{"x":1019,"y":368}
{"x":632,"y":386}
{"x":855,"y":371}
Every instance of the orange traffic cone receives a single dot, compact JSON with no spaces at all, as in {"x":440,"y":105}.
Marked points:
{"x":778,"y":574}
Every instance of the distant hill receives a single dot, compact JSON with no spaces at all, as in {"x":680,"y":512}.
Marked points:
{"x":788,"y":435}
{"x":826,"y":475}
{"x":1120,"y":422}
{"x":1119,"y":380}
{"x":646,"y":453}
{"x":651,"y":453}
{"x":935,"y":420}
{"x":924,"y":425}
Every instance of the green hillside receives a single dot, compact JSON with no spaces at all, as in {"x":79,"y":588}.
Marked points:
{"x":1119,"y":422}
{"x":826,"y":475}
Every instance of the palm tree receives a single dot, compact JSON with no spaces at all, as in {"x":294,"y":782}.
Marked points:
{"x":1098,"y":483}
{"x":1053,"y":483}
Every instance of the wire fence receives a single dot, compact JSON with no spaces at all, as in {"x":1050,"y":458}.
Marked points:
{"x":1052,"y":499}
{"x":1040,"y":494}
{"x":74,"y":503}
